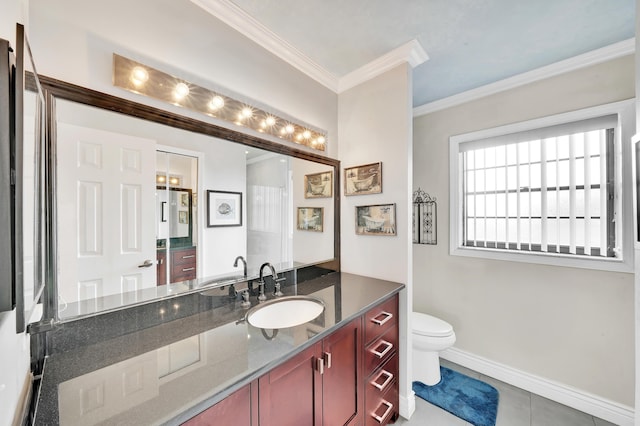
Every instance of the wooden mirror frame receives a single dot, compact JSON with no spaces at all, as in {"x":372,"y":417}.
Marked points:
{"x":56,"y":89}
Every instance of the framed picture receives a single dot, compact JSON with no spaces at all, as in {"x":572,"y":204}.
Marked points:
{"x":318,"y":185}
{"x":184,"y":199}
{"x":310,"y":219}
{"x":378,"y":219}
{"x":361,"y":180}
{"x":183,"y":216}
{"x":224,"y":208}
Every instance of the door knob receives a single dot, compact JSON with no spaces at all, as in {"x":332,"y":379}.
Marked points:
{"x":147,"y":263}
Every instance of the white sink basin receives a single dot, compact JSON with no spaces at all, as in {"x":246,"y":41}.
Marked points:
{"x":285,"y":312}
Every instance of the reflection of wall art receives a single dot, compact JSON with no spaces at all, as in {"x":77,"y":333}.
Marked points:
{"x":184,"y":200}
{"x":310,"y":219}
{"x":183,"y":216}
{"x":376,"y":220}
{"x":224,"y":208}
{"x":318,"y":185}
{"x":362,"y":180}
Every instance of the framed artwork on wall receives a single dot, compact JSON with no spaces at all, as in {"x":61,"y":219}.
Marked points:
{"x":310,"y":219}
{"x":224,"y":208}
{"x":379,"y":219}
{"x":361,"y":180}
{"x":318,"y":185}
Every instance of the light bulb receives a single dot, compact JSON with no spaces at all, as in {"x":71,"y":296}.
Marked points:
{"x":216,"y":103}
{"x":181,"y":90}
{"x":247,"y":112}
{"x":289,"y":128}
{"x":270,"y":121}
{"x":321,"y":139}
{"x":139,"y":76}
{"x":306,"y":134}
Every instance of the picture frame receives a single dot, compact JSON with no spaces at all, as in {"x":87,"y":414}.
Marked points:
{"x":378,"y":219}
{"x":224,"y":208}
{"x":310,"y":219}
{"x":318,"y":185}
{"x":362,"y":180}
{"x":183,"y":216}
{"x":184,"y":200}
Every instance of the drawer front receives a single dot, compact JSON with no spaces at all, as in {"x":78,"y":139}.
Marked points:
{"x":380,"y":319}
{"x":382,"y":409}
{"x":183,"y":273}
{"x":183,"y":257}
{"x":383,"y":379}
{"x":378,"y":352}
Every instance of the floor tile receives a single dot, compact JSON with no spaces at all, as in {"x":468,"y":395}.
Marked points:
{"x":545,"y":412}
{"x":514,"y":404}
{"x":600,"y":422}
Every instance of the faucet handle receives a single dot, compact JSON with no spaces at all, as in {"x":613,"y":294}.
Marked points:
{"x":261,"y":296}
{"x":277,"y":292}
{"x":245,"y":298}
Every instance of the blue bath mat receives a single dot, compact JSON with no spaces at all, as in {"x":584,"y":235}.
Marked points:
{"x":464,"y":397}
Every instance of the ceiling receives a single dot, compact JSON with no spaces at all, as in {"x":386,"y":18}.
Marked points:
{"x":469,"y":43}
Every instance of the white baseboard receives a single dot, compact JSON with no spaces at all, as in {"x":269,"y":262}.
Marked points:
{"x":408,"y":405}
{"x":591,"y":404}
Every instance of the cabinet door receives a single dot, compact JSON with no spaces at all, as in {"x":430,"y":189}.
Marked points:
{"x":342,"y":395}
{"x":291,"y":394}
{"x":236,"y":409}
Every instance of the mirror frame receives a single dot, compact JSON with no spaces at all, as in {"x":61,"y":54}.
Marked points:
{"x":56,"y":89}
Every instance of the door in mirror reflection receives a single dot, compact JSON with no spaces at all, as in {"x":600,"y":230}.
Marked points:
{"x":106,"y":240}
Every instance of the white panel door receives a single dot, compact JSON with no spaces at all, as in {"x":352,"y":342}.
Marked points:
{"x":106,"y":214}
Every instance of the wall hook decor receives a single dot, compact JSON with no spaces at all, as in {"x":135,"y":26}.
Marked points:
{"x":425,"y":212}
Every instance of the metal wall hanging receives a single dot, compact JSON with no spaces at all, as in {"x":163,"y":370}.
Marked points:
{"x":425,"y":213}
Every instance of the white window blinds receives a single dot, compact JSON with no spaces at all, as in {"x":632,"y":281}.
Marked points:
{"x":545,"y":190}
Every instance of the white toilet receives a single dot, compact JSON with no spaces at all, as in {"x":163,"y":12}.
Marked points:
{"x":430,"y":336}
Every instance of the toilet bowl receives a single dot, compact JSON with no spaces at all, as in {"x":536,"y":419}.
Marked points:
{"x":430,"y":336}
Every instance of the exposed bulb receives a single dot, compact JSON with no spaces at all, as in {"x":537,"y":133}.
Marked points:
{"x":270,"y":121}
{"x":289,"y":128}
{"x":139,"y":76}
{"x":306,"y":134}
{"x":181,"y":90}
{"x":216,"y":103}
{"x":247,"y":112}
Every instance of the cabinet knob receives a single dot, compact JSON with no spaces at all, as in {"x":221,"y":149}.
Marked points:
{"x":387,"y":317}
{"x":327,"y":359}
{"x":381,"y":386}
{"x":381,"y":354}
{"x":381,"y":418}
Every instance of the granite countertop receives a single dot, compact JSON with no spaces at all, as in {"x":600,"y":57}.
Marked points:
{"x":168,"y":373}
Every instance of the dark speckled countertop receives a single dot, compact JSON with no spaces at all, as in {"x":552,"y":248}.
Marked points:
{"x":167,"y":373}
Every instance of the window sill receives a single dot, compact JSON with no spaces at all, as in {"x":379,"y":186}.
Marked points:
{"x":569,"y":261}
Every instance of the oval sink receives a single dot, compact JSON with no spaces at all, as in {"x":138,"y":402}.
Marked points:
{"x":285,"y":312}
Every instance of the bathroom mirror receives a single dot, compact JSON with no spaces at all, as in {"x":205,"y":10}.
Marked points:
{"x":270,"y":177}
{"x":29,"y":165}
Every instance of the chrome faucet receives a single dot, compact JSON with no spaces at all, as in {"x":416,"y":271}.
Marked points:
{"x":276,"y":280}
{"x":244,"y":262}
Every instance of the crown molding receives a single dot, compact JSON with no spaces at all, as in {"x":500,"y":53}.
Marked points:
{"x":411,"y":52}
{"x":241,"y":21}
{"x":616,"y":50}
{"x":232,"y":15}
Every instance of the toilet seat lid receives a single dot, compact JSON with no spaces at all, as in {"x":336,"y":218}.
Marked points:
{"x":426,"y":325}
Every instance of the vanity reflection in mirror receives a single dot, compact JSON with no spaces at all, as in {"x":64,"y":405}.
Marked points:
{"x":132,"y":208}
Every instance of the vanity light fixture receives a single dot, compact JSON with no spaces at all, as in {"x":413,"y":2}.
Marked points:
{"x":141,"y":79}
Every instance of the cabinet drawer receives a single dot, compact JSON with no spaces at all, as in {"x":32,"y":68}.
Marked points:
{"x":381,"y":409}
{"x":380,"y":351}
{"x":183,"y":257}
{"x":383,"y":379}
{"x":381,"y":318}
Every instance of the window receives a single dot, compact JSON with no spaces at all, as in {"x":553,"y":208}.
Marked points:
{"x":544,"y":189}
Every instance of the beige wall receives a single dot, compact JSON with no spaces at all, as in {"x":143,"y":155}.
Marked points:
{"x":571,"y":326}
{"x":374,"y":121}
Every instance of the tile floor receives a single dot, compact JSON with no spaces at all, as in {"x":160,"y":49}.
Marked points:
{"x":516,"y":408}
